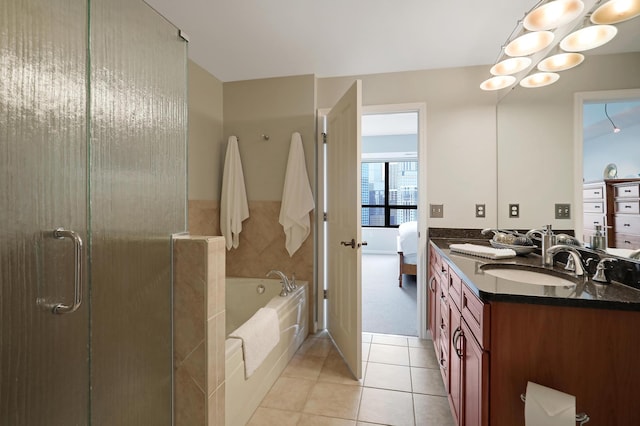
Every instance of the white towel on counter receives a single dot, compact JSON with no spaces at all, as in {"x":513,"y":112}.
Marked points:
{"x":233,"y":201}
{"x":260,"y":334}
{"x":483,"y":251}
{"x":297,"y":198}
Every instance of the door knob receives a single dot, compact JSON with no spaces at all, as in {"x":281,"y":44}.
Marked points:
{"x":353,"y":243}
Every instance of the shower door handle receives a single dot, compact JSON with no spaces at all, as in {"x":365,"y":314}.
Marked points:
{"x":61,"y":308}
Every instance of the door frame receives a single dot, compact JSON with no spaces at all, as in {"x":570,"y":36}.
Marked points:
{"x":320,"y":261}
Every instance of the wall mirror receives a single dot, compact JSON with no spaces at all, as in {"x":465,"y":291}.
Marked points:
{"x":540,"y":158}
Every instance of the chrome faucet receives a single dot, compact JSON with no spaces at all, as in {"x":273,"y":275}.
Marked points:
{"x":600,"y":276}
{"x":286,"y":286}
{"x":573,"y":252}
{"x":548,"y":240}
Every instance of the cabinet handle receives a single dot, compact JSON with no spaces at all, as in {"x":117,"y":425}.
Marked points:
{"x":456,"y":337}
{"x":431,"y":285}
{"x":61,"y":308}
{"x":627,"y":190}
{"x":596,"y":192}
{"x":627,"y":206}
{"x":627,"y":224}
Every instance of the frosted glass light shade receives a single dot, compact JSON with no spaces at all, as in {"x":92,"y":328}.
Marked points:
{"x":588,"y":38}
{"x":540,"y":79}
{"x":553,"y":15}
{"x":497,"y":83}
{"x":615,"y":11}
{"x":529,"y":43}
{"x":510,"y":66}
{"x":560,"y":62}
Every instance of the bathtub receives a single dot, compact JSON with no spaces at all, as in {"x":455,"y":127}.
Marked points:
{"x":244,"y":297}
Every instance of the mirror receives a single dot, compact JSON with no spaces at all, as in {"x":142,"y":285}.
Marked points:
{"x":540,"y":158}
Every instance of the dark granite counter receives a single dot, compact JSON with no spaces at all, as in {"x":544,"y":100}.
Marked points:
{"x":490,"y":288}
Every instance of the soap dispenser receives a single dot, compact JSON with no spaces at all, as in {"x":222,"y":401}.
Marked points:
{"x":599,"y":239}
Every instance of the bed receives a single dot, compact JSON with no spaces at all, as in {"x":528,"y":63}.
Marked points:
{"x":407,"y":242}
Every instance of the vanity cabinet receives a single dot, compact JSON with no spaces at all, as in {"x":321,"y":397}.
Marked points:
{"x":461,"y":322}
{"x":627,"y":214}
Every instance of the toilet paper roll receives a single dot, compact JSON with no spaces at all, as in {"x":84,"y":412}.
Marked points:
{"x":548,"y":407}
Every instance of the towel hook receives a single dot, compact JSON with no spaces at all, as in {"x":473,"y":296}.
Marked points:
{"x":265,"y":137}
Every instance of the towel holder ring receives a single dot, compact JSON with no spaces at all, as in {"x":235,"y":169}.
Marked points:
{"x":581,"y":418}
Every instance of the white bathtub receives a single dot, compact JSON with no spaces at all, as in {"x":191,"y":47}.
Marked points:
{"x":243,"y":299}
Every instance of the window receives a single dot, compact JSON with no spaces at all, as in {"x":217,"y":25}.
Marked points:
{"x":389,"y":193}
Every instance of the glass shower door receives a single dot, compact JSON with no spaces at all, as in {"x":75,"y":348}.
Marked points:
{"x":44,"y":326}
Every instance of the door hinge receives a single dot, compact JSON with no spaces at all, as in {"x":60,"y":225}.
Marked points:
{"x":325,"y":295}
{"x":324,"y":137}
{"x":324,"y":216}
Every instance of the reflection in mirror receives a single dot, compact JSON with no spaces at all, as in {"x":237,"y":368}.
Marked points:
{"x":607,"y":131}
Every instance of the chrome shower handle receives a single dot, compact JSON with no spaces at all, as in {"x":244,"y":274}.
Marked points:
{"x":60,"y":234}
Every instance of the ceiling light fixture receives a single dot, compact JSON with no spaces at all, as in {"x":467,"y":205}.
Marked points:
{"x":498,"y":82}
{"x":510,"y":66}
{"x":615,"y":11}
{"x":560,"y":62}
{"x":553,"y":15}
{"x":616,"y":129}
{"x":588,"y":38}
{"x":529,"y":43}
{"x":540,"y":79}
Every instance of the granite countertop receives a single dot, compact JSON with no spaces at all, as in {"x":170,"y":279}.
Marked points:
{"x":490,"y":288}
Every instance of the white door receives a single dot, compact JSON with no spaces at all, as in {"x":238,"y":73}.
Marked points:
{"x":344,"y":200}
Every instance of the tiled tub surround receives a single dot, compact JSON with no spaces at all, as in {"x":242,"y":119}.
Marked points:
{"x":199,"y":330}
{"x":244,"y":395}
{"x":262,"y":242}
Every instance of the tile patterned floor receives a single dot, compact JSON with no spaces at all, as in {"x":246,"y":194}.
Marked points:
{"x":401,"y":386}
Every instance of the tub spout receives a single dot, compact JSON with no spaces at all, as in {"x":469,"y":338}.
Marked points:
{"x":286,"y":286}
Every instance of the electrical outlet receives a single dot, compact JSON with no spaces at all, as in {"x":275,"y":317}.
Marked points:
{"x":514,"y":210}
{"x":437,"y":210}
{"x":563,"y":211}
{"x":480,"y":210}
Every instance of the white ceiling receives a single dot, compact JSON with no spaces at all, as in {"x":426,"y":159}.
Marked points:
{"x":249,"y":39}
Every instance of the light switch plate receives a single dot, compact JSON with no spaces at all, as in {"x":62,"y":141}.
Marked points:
{"x":563,"y":211}
{"x":436,"y":210}
{"x":514,"y":210}
{"x":480,"y":210}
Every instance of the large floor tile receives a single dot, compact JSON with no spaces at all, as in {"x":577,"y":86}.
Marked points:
{"x":432,"y":410}
{"x":314,"y":420}
{"x":415,"y":342}
{"x":316,"y":347}
{"x":423,"y":357}
{"x":271,"y":416}
{"x":388,"y":376}
{"x":388,"y":339}
{"x":386,"y":407}
{"x":335,"y":370}
{"x":388,"y":354}
{"x":288,"y":393}
{"x":334,"y":400}
{"x":427,"y":381}
{"x":304,"y":367}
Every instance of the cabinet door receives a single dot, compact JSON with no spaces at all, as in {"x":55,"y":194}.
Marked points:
{"x":475,"y":363}
{"x":455,"y":364}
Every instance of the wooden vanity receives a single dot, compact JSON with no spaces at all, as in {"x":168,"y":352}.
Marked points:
{"x":492,"y":336}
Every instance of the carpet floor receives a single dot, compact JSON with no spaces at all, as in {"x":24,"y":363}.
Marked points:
{"x":387,"y":308}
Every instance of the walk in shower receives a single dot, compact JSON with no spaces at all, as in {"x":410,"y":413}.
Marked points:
{"x":93,"y":119}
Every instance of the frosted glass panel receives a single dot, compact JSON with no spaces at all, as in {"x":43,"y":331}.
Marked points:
{"x":44,"y":378}
{"x":138,"y":199}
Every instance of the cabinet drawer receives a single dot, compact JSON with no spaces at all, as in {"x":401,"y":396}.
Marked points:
{"x":627,"y":241}
{"x":593,"y":193}
{"x":593,"y":219}
{"x":593,"y":207}
{"x":627,"y":191}
{"x":631,"y":207}
{"x":627,"y":224}
{"x":443,"y":361}
{"x":455,"y":289}
{"x":476,"y":314}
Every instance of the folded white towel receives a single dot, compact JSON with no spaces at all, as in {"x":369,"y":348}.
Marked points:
{"x":233,"y":201}
{"x":297,"y":198}
{"x":483,"y":251}
{"x":260,"y":334}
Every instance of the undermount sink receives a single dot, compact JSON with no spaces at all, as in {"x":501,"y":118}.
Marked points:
{"x":534,"y":276}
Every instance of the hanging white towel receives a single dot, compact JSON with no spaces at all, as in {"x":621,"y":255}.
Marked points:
{"x":233,"y":201}
{"x":297,"y":198}
{"x":260,"y":334}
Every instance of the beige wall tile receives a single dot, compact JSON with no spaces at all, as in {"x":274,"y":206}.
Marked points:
{"x":215,"y":413}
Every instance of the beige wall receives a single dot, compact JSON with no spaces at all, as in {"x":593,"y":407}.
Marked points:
{"x":205,"y":134}
{"x":461,"y":134}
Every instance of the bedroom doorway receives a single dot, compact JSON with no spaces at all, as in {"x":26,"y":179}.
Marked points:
{"x":391,"y":184}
